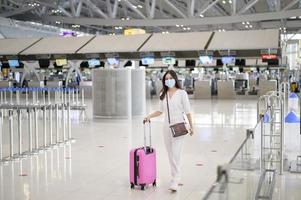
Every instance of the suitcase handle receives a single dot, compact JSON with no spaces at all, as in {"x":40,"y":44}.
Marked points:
{"x":150,"y":134}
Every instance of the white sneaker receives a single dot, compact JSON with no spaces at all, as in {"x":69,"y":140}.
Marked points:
{"x":173,"y":186}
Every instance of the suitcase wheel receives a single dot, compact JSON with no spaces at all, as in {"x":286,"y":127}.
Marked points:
{"x":132,"y":185}
{"x":154,"y":183}
{"x":142,"y":187}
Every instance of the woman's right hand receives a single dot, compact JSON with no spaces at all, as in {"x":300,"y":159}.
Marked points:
{"x":146,"y":119}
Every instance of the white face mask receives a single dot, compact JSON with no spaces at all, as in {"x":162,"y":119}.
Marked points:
{"x":170,"y":83}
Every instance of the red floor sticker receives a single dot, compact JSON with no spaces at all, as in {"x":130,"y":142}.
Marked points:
{"x":23,"y":175}
{"x":101,"y":146}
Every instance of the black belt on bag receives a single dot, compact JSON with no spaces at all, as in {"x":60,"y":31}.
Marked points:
{"x":177,"y":129}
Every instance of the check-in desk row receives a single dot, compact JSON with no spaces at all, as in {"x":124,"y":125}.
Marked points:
{"x":226,"y":88}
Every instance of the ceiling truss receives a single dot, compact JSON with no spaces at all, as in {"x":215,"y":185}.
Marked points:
{"x":103,"y":16}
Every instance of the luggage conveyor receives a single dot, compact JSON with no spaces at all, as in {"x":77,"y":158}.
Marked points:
{"x":249,"y":174}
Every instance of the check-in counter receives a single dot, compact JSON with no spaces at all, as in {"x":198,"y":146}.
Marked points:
{"x":267,"y":85}
{"x":6,"y":84}
{"x":36,"y":84}
{"x":225,"y":89}
{"x":202,"y":89}
{"x":54,"y":84}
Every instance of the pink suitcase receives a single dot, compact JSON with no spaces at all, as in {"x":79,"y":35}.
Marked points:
{"x":143,"y":164}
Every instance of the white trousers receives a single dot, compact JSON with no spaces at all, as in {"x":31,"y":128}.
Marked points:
{"x":174,"y":147}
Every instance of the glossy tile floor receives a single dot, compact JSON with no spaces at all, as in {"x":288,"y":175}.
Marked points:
{"x":96,"y":165}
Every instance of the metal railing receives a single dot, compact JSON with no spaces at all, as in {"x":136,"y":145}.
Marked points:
{"x":21,"y":136}
{"x":45,"y":96}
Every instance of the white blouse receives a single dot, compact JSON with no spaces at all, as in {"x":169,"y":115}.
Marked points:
{"x":178,"y":106}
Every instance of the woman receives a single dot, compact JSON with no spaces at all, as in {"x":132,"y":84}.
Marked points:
{"x":178,"y":106}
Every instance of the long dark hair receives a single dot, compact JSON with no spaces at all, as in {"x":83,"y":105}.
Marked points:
{"x":165,"y":88}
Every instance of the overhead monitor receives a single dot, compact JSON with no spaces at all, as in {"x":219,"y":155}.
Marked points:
{"x":190,"y":63}
{"x":113,"y":61}
{"x":148,"y":60}
{"x":93,"y":62}
{"x":44,"y":63}
{"x":168,"y":60}
{"x":13,"y":63}
{"x":219,"y":62}
{"x":84,"y":64}
{"x":206,"y":60}
{"x":240,"y":62}
{"x":61,"y":62}
{"x":228,"y":60}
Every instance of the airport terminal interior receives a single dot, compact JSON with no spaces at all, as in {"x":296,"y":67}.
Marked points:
{"x":150,"y":99}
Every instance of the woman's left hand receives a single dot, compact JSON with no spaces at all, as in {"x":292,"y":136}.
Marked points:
{"x":191,"y":131}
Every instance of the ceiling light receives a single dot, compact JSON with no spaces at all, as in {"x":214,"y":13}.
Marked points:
{"x":127,"y":18}
{"x":219,"y":30}
{"x":184,"y":29}
{"x":247,"y":26}
{"x":182,"y":25}
{"x":139,"y":6}
{"x":293,"y":17}
{"x":299,"y":17}
{"x":230,"y":2}
{"x":120,"y":27}
{"x":248,"y":22}
{"x":134,"y":6}
{"x":224,"y":2}
{"x":119,"y":0}
{"x":122,"y":18}
{"x":224,"y":30}
{"x":243,"y":23}
{"x":177,"y":25}
{"x":116,"y":28}
{"x":280,"y":28}
{"x":251,"y":26}
{"x":188,"y":28}
{"x":201,"y":15}
{"x":57,"y":22}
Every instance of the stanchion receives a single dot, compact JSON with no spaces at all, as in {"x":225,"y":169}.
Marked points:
{"x":1,"y":137}
{"x":1,"y":96}
{"x":5,"y":99}
{"x":18,"y":96}
{"x":77,"y":94}
{"x":11,"y":133}
{"x":26,"y":96}
{"x":36,"y":130}
{"x":49,"y":95}
{"x":69,"y":95}
{"x":69,"y":123}
{"x":73,"y":99}
{"x":50,"y":125}
{"x":83,"y":97}
{"x":11,"y":95}
{"x":44,"y":97}
{"x":44,"y":128}
{"x":19,"y":113}
{"x":57,"y":123}
{"x":30,"y":148}
{"x":63,"y":122}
